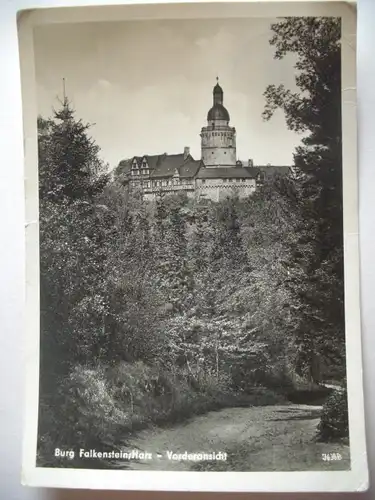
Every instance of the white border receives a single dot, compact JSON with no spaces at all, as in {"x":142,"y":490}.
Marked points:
{"x":354,"y":480}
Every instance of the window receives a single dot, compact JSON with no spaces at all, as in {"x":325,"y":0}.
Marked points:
{"x":203,"y":181}
{"x":238,"y":180}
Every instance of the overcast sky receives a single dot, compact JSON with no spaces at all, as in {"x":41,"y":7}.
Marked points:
{"x":147,"y":85}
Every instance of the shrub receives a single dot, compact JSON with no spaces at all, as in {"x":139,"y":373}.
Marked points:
{"x":100,"y":408}
{"x":334,"y":424}
{"x":83,"y":414}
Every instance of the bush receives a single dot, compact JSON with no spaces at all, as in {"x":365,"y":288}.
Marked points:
{"x":100,"y":408}
{"x":83,"y":414}
{"x":334,"y":424}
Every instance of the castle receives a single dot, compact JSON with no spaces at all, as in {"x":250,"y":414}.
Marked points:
{"x":216,"y":175}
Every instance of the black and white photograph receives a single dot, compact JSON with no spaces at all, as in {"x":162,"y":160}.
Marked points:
{"x":190,"y":245}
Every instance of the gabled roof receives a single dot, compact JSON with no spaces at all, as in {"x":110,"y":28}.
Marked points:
{"x":164,"y":166}
{"x":227,"y":173}
{"x":167,"y":164}
{"x":271,"y":170}
{"x":190,"y":168}
{"x":152,"y":160}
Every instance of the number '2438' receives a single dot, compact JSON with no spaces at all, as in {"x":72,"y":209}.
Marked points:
{"x":328,"y":457}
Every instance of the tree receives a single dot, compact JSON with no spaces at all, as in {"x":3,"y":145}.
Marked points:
{"x":69,"y":165}
{"x":315,"y":110}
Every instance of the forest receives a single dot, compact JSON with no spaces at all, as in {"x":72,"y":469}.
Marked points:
{"x":154,"y":311}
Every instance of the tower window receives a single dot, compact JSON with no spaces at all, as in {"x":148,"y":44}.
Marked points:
{"x":203,"y":181}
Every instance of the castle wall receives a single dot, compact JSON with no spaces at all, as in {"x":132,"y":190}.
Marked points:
{"x":218,"y":189}
{"x":212,"y":189}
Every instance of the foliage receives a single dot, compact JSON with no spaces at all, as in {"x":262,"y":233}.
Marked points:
{"x":334,"y":422}
{"x":69,"y":166}
{"x":315,"y":111}
{"x":155,"y":311}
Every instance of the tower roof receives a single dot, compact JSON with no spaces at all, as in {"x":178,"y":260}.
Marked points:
{"x":218,"y":111}
{"x":218,"y":89}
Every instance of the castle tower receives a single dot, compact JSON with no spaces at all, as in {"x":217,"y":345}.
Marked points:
{"x":218,"y":139}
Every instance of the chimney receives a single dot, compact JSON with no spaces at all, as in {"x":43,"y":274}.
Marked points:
{"x":250,"y":163}
{"x":186,"y":152}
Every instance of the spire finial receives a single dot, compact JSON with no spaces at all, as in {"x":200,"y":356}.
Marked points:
{"x":64,"y":93}
{"x":217,"y":79}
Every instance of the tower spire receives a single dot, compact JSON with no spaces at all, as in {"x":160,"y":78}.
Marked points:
{"x":218,"y":93}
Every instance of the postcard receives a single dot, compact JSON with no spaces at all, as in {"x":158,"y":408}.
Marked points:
{"x":193,"y":309}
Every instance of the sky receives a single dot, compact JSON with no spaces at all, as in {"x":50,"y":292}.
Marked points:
{"x":146,"y":86}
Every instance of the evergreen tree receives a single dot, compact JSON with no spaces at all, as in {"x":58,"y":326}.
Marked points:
{"x":315,"y":110}
{"x":69,"y":163}
{"x":74,"y":235}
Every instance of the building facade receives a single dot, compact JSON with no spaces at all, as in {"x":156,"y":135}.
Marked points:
{"x":216,"y":175}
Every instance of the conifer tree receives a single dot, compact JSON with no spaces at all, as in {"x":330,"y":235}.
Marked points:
{"x":315,"y":111}
{"x":70,"y":167}
{"x":74,"y":234}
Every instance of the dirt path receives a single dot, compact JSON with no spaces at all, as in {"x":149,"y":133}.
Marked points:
{"x":255,"y":438}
